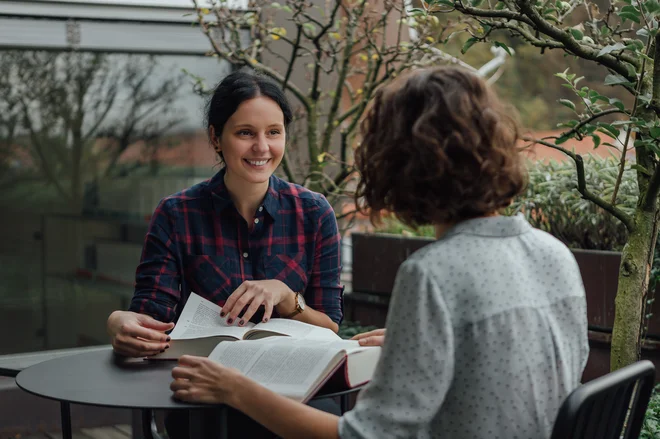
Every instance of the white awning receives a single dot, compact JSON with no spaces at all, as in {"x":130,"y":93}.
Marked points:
{"x":125,"y":10}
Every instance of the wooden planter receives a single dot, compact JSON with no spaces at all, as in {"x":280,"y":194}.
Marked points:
{"x":377,"y":257}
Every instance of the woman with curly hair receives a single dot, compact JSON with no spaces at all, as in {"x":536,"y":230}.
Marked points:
{"x":487,"y":329}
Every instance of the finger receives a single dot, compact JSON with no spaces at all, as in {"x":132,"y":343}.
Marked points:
{"x":376,"y":340}
{"x":181,"y":372}
{"x":254,"y":307}
{"x":246,"y":298}
{"x":140,"y":344}
{"x":178,"y":385}
{"x":133,"y":330}
{"x":380,"y":331}
{"x":190,"y":360}
{"x":182,"y":395}
{"x":268,"y":311}
{"x":128,"y":351}
{"x":150,"y":322}
{"x":231,"y":301}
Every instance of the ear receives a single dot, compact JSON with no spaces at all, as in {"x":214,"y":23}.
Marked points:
{"x":214,"y":139}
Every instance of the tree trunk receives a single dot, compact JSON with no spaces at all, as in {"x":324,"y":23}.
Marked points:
{"x":634,"y":273}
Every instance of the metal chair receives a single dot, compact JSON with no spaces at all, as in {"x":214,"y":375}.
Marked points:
{"x":610,"y":407}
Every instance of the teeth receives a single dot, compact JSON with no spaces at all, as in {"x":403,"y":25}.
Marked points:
{"x":257,"y":163}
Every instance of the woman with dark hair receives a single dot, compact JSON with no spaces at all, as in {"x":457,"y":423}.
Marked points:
{"x":487,"y":329}
{"x":245,"y":239}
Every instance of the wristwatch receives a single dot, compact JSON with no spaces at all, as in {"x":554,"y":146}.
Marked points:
{"x":300,"y":306}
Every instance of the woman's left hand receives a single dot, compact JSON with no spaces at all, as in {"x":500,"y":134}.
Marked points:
{"x":198,"y":379}
{"x":255,"y":293}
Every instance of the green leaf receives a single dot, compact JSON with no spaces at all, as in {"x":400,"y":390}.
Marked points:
{"x":609,"y":129}
{"x":631,"y":9}
{"x":469,"y":43}
{"x":577,"y":34}
{"x":611,"y":48}
{"x":309,"y":26}
{"x":615,"y":80}
{"x":618,"y":104}
{"x":446,"y":3}
{"x":629,"y":16}
{"x":561,"y":140}
{"x":596,"y":140}
{"x":567,"y":103}
{"x":475,"y":3}
{"x":641,"y":169}
{"x":655,"y":132}
{"x":503,"y":46}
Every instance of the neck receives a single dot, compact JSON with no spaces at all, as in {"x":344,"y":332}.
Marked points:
{"x":246,"y":197}
{"x":441,"y":228}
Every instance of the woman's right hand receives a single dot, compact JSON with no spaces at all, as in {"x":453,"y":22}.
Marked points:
{"x":371,"y":338}
{"x":137,"y":335}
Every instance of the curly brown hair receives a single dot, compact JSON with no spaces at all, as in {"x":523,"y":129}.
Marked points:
{"x":438,"y":146}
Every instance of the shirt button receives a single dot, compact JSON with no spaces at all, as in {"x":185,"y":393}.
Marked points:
{"x":261,"y":208}
{"x":256,"y":220}
{"x":245,"y":255}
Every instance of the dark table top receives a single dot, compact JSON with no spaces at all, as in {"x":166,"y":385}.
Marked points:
{"x":100,"y":378}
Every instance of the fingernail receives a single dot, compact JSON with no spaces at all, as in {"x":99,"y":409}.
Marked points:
{"x":265,"y":320}
{"x":242,"y":322}
{"x":167,"y":347}
{"x":162,"y":351}
{"x":222,"y":314}
{"x":230,"y":321}
{"x":168,"y":339}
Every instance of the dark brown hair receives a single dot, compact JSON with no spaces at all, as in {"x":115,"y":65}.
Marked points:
{"x":438,"y":146}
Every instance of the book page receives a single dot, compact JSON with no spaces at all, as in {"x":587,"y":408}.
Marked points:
{"x":201,"y":318}
{"x":292,"y":328}
{"x":284,"y":366}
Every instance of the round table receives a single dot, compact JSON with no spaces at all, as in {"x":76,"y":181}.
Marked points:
{"x":101,"y":378}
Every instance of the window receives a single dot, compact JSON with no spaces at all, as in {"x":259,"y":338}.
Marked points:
{"x":99,"y":120}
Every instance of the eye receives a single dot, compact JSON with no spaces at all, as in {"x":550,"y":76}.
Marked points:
{"x":275,"y":132}
{"x":244,"y":133}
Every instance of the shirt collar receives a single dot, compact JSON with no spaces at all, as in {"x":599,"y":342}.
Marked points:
{"x":492,"y":226}
{"x":222,"y":200}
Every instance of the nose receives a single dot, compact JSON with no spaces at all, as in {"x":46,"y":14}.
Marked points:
{"x":260,"y":144}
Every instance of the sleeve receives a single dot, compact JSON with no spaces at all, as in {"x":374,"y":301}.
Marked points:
{"x":157,"y":276}
{"x":324,"y":291}
{"x":416,"y":367}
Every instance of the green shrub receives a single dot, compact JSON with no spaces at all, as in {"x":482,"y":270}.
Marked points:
{"x":552,"y":202}
{"x":651,"y":425}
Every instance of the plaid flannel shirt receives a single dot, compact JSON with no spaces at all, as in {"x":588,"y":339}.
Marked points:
{"x":197,"y":241}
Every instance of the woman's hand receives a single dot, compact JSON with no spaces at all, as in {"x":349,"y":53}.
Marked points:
{"x":371,"y":338}
{"x":198,"y":379}
{"x":255,"y":293}
{"x":137,"y":335}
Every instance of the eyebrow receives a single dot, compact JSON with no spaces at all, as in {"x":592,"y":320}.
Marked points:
{"x":247,"y":125}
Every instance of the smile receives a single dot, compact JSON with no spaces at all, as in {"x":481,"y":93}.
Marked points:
{"x":257,"y":162}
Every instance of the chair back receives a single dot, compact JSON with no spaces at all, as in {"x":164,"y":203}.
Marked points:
{"x":610,"y":407}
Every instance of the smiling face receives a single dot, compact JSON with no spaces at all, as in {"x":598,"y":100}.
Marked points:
{"x":253,"y":141}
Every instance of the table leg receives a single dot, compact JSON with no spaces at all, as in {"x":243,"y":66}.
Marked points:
{"x":146,"y":424}
{"x":65,"y":411}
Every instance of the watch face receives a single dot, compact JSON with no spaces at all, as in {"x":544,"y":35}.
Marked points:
{"x":301,"y":301}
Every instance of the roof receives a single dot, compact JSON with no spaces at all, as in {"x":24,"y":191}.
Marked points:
{"x":125,"y":10}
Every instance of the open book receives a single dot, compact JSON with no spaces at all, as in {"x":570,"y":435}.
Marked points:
{"x":291,"y":358}
{"x":200,"y":328}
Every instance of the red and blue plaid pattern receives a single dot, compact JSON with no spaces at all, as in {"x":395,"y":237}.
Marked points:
{"x":197,"y":241}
